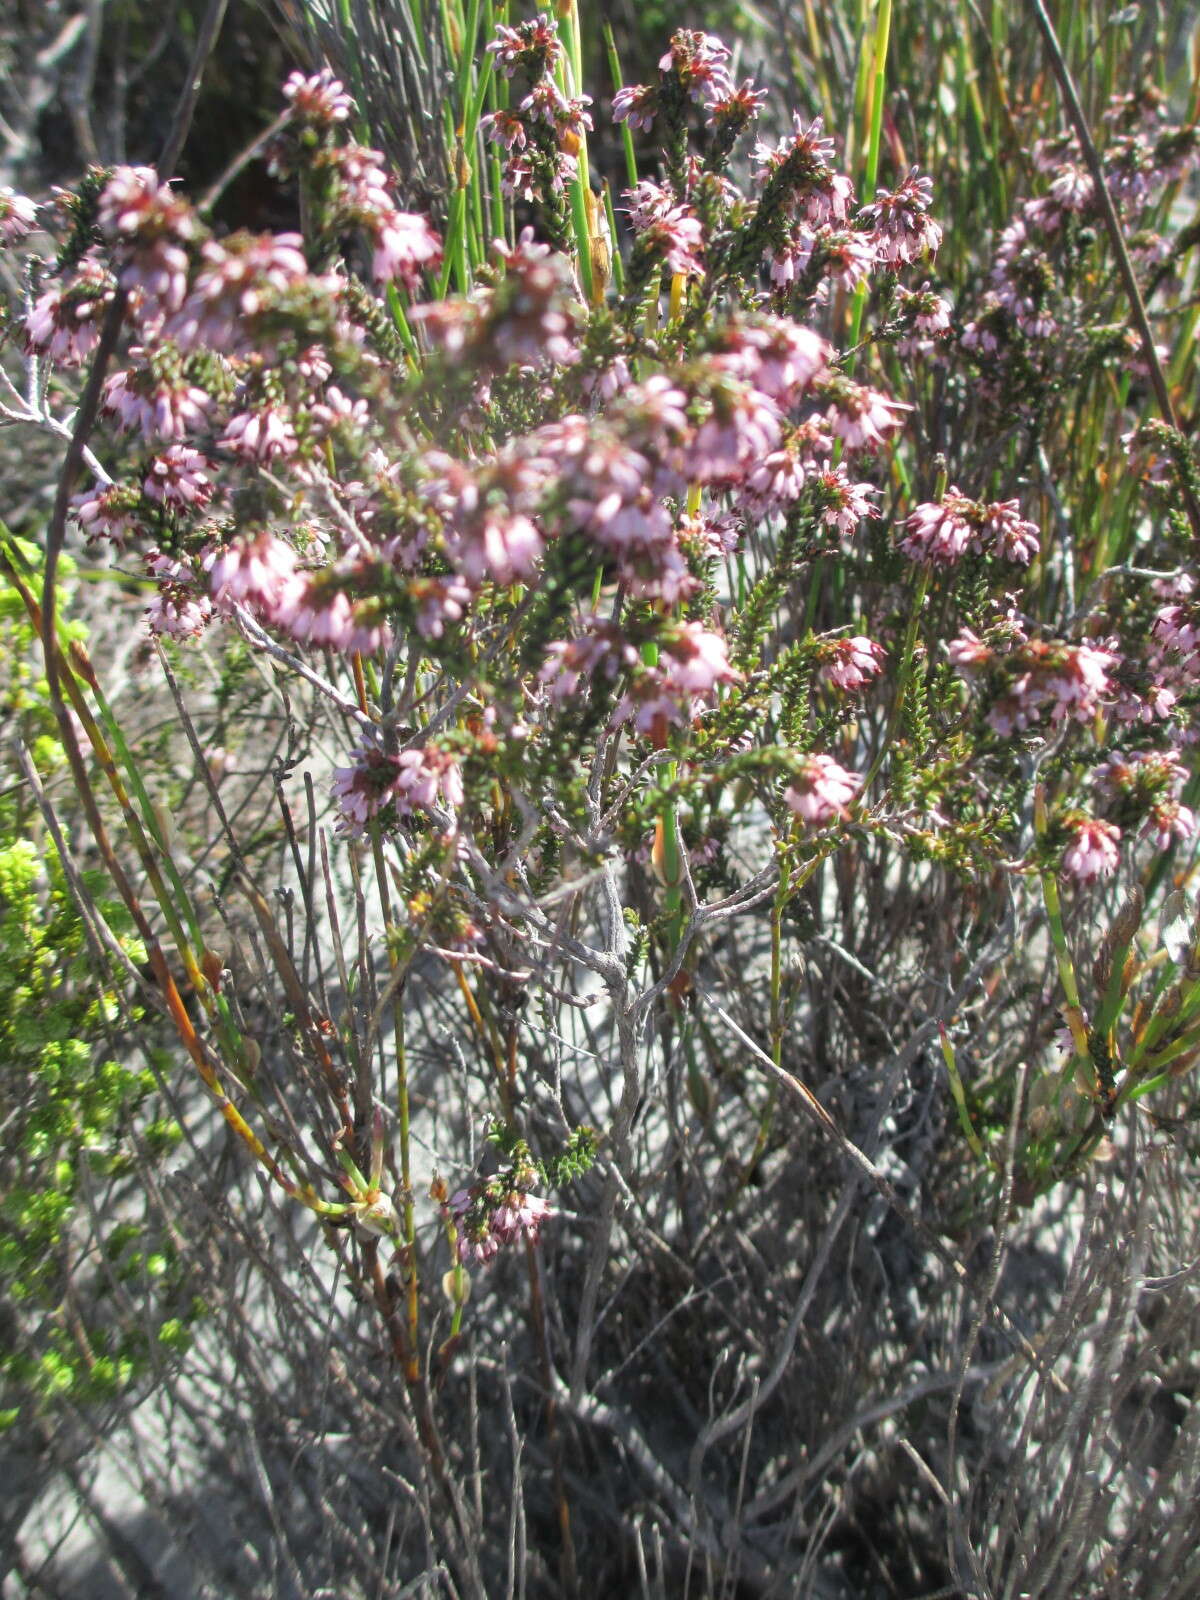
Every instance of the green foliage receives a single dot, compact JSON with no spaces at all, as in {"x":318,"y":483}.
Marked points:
{"x":65,"y":1098}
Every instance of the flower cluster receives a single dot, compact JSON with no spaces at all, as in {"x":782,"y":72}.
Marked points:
{"x":942,"y":532}
{"x":541,"y":133}
{"x":1032,"y":676}
{"x":496,"y":1212}
{"x":422,"y":779}
{"x":821,"y":790}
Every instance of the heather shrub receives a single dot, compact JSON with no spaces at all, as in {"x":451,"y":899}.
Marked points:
{"x":724,"y":634}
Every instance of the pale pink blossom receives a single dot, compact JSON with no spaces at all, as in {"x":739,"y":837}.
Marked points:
{"x":737,"y":108}
{"x":151,"y":226}
{"x":677,"y":239}
{"x":405,"y":246}
{"x":802,"y":178}
{"x":862,"y":418}
{"x":180,"y":613}
{"x":968,"y":652}
{"x":18,"y":217}
{"x":504,"y":128}
{"x":440,"y":603}
{"x":1168,"y":821}
{"x":158,"y":408}
{"x":420,"y":779}
{"x":843,"y":504}
{"x":179,"y":478}
{"x":742,"y":426}
{"x":782,"y":359}
{"x":1013,"y":538}
{"x":310,"y":610}
{"x":1093,"y":853}
{"x":850,"y":663}
{"x":240,"y":279}
{"x":320,"y":100}
{"x":695,"y":660}
{"x":262,"y":435}
{"x":533,"y":45}
{"x":902,"y":229}
{"x":847,"y":258}
{"x":636,"y":104}
{"x":258,"y":572}
{"x":65,"y":321}
{"x":776,"y":481}
{"x":107,"y":513}
{"x":940,"y":531}
{"x":600,"y":646}
{"x":1149,"y":781}
{"x":496,"y":547}
{"x":700,"y":61}
{"x":821,"y":790}
{"x":520,"y":1215}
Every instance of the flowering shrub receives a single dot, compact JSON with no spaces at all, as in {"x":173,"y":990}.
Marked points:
{"x":651,"y":597}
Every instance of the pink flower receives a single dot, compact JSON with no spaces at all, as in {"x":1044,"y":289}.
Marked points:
{"x":150,"y":225}
{"x":179,"y":478}
{"x":65,"y":321}
{"x":677,"y":238}
{"x":695,"y":660}
{"x":849,"y":663}
{"x":776,"y":481}
{"x":847,"y":258}
{"x":700,"y":62}
{"x":240,"y":280}
{"x":320,"y":100}
{"x":648,"y":202}
{"x":821,"y":790}
{"x":530,"y":314}
{"x":178,"y":612}
{"x":903,"y":229}
{"x":532,"y":45}
{"x":160,"y":408}
{"x":1073,"y":188}
{"x":781,"y":359}
{"x":927,"y":316}
{"x":636,"y":104}
{"x":940,"y":532}
{"x":405,"y":246}
{"x":312,"y":611}
{"x":257,"y":572}
{"x":736,"y":109}
{"x":862,"y":418}
{"x":264,"y":435}
{"x":178,"y":609}
{"x":520,"y":1214}
{"x":1093,"y":853}
{"x":106,"y":513}
{"x":1170,"y":820}
{"x":843,"y":504}
{"x":496,"y":547}
{"x":968,"y":652}
{"x":568,"y":662}
{"x":440,"y":602}
{"x":412,"y":780}
{"x":18,"y":217}
{"x":1014,"y":538}
{"x":1076,"y":676}
{"x":742,"y":426}
{"x":1148,"y":782}
{"x":801,"y":179}
{"x":569,"y":119}
{"x":504,"y":128}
